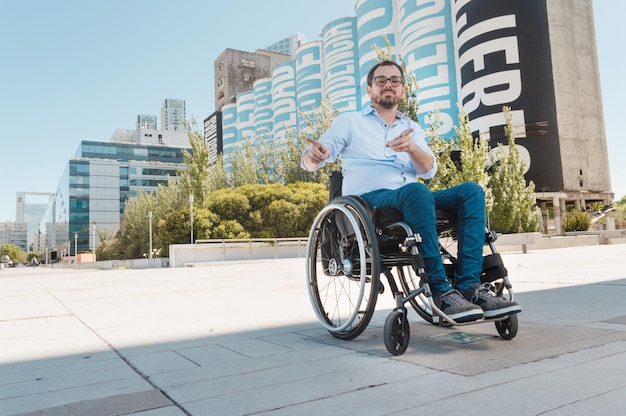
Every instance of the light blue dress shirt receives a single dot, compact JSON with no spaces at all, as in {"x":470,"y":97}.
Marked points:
{"x":367,"y":164}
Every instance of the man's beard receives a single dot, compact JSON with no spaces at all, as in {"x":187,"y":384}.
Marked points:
{"x":387,"y":101}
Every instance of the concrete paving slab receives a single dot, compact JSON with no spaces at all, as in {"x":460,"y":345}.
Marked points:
{"x":240,"y":338}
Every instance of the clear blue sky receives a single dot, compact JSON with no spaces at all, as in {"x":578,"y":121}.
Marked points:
{"x":75,"y":70}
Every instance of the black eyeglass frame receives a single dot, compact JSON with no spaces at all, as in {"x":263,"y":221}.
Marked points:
{"x":395,"y":80}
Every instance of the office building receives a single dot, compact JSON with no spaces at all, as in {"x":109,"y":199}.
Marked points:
{"x":98,"y":180}
{"x":14,"y":233}
{"x":173,"y":115}
{"x":146,"y":122}
{"x":288,"y":45}
{"x":30,"y":208}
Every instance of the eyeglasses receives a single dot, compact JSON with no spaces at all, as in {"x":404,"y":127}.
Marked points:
{"x":381,"y":80}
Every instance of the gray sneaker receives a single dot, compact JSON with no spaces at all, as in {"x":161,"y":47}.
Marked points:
{"x":453,"y":304}
{"x":493,"y":306}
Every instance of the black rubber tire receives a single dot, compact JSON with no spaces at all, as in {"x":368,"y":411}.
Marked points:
{"x":507,"y":328}
{"x":344,"y":300}
{"x":396,"y":332}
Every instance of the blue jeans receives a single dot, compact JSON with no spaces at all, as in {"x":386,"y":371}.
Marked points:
{"x":417,"y":204}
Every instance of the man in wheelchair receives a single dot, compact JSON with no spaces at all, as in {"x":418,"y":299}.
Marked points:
{"x":382,"y":153}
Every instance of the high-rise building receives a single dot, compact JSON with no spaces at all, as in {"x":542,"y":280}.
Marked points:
{"x":236,"y":71}
{"x":30,"y":208}
{"x":288,"y":45}
{"x":146,"y":122}
{"x":14,"y":233}
{"x":173,"y":115}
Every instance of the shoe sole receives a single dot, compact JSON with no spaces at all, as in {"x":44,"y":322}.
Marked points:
{"x":499,"y":313}
{"x":461,"y":317}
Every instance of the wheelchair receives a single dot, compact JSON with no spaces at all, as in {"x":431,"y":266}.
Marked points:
{"x":351,"y":244}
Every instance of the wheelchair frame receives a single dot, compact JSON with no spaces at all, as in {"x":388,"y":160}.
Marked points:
{"x":351,"y":244}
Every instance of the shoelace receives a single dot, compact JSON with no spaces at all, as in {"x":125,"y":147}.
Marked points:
{"x":453,"y":298}
{"x":485,"y":289}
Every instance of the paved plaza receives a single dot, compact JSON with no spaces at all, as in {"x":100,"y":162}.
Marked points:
{"x":241,"y":338}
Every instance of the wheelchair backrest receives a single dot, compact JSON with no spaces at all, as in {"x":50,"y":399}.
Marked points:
{"x":336,"y":179}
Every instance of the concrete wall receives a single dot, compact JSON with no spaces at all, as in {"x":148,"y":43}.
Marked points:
{"x":580,"y":119}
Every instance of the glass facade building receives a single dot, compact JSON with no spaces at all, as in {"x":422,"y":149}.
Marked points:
{"x":94,"y":187}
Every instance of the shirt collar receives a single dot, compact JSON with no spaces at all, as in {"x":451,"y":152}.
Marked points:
{"x":371,"y":110}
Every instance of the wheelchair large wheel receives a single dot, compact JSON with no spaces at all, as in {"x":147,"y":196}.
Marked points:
{"x":343,"y":270}
{"x":410,"y":282}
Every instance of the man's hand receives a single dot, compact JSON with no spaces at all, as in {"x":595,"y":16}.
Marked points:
{"x":316,"y":154}
{"x":402,"y":143}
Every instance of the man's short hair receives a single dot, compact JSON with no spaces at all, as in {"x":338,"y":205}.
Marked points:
{"x":386,"y":62}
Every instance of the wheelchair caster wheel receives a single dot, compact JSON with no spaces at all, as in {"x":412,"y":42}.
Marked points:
{"x":507,"y":328}
{"x":396,"y":332}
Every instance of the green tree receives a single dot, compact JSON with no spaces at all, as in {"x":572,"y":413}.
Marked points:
{"x":447,"y":170}
{"x":243,"y":165}
{"x":620,"y":212}
{"x":14,"y":253}
{"x":229,"y":204}
{"x":267,"y":159}
{"x":468,"y":166}
{"x":134,"y":230}
{"x":310,"y":199}
{"x":513,"y":199}
{"x":111,"y":249}
{"x":195,"y":178}
{"x":230,"y":229}
{"x":174,"y":227}
{"x":218,"y":179}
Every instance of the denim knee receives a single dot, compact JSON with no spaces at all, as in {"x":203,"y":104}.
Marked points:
{"x":416,"y":192}
{"x":472,"y":190}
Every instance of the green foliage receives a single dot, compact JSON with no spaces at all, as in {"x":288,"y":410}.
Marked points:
{"x":229,"y":204}
{"x":195,"y":178}
{"x":447,"y":170}
{"x":267,"y":160}
{"x":620,"y":212}
{"x":230,"y":229}
{"x":513,"y":200}
{"x":14,"y":253}
{"x":576,"y":221}
{"x":473,"y":152}
{"x":316,"y":123}
{"x":243,"y":165}
{"x":111,"y":250}
{"x":218,"y":178}
{"x":596,"y":206}
{"x":175,"y":227}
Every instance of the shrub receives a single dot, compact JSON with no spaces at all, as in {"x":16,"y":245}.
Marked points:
{"x":576,"y":221}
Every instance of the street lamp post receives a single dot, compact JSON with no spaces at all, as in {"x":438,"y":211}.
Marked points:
{"x":75,"y":245}
{"x":191,"y":214}
{"x":150,"y":228}
{"x":93,"y":239}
